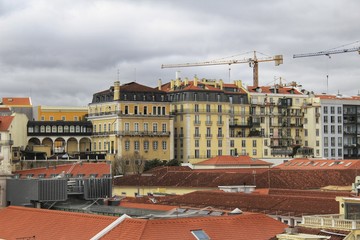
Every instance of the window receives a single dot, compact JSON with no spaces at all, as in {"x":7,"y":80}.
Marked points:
{"x":136,"y":145}
{"x":104,"y":127}
{"x":76,"y":118}
{"x":42,"y":118}
{"x":136,"y":127}
{"x":339,"y":119}
{"x":219,"y":143}
{"x":127,"y":145}
{"x":126,"y":109}
{"x":326,"y":129}
{"x":332,"y":110}
{"x":197,"y":153}
{"x":332,"y":119}
{"x":325,"y":119}
{"x":332,"y":140}
{"x":146,"y":127}
{"x":207,"y":108}
{"x":164,"y":145}
{"x":127,"y":127}
{"x":164,"y":128}
{"x":155,"y":127}
{"x":339,"y":110}
{"x":254,"y":152}
{"x":72,"y":129}
{"x":219,"y":108}
{"x":254,"y":143}
{"x":325,"y":109}
{"x":196,"y":143}
{"x":243,"y":143}
{"x":77,"y":129}
{"x":232,"y":143}
{"x":339,"y":141}
{"x":155,"y":145}
{"x":332,"y":128}
{"x":48,"y":129}
{"x":339,"y":129}
{"x":54,"y":129}
{"x":196,"y":107}
{"x":317,"y":132}
{"x":208,"y":143}
{"x":208,"y":153}
{"x":219,"y":152}
{"x":63,"y":118}
{"x":326,"y":142}
{"x":51,"y":118}
{"x":146,"y":145}
{"x":136,"y":110}
{"x":145,"y":110}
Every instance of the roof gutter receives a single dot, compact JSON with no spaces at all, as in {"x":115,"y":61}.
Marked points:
{"x":110,"y":227}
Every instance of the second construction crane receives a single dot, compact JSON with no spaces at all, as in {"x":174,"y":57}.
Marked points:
{"x":253,"y":62}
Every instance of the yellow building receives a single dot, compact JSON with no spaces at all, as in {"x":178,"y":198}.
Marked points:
{"x":203,"y":109}
{"x":132,"y":119}
{"x":61,"y":113}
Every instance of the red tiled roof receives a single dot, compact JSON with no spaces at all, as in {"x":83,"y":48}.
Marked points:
{"x":136,"y":87}
{"x":252,"y":226}
{"x":275,"y":178}
{"x":325,"y":96}
{"x":16,"y":101}
{"x":5,"y":122}
{"x":40,"y":224}
{"x":233,"y":160}
{"x":293,"y":203}
{"x":76,"y":168}
{"x":280,"y":90}
{"x":4,"y":109}
{"x":312,"y":164}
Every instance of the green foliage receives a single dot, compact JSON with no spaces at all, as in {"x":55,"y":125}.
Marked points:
{"x":158,"y":163}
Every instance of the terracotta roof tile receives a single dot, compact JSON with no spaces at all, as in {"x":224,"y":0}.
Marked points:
{"x":317,"y":164}
{"x":223,"y":227}
{"x":75,"y":169}
{"x":16,"y":101}
{"x":5,"y":122}
{"x":233,"y":160}
{"x":146,"y":206}
{"x":294,"y":203}
{"x":280,"y":90}
{"x":275,"y":178}
{"x":337,"y":97}
{"x":21,"y":223}
{"x":136,"y":87}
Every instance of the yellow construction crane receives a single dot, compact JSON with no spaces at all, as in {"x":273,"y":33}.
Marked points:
{"x":253,"y":62}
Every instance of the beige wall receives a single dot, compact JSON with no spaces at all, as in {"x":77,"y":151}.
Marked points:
{"x":143,"y":190}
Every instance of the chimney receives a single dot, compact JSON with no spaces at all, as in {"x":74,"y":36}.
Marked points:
{"x":159,"y":84}
{"x":177,"y":82}
{"x":172,"y":84}
{"x":117,"y":91}
{"x":221,"y":84}
{"x":186,"y":81}
{"x":195,"y":81}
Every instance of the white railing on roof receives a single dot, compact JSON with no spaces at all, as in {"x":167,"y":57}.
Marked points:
{"x":331,"y":221}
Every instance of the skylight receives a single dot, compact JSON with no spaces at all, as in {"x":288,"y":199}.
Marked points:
{"x":200,"y":234}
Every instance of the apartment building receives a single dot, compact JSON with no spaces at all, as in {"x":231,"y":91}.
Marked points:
{"x":60,"y":113}
{"x":277,"y":115}
{"x":202,"y":110}
{"x":132,"y":119}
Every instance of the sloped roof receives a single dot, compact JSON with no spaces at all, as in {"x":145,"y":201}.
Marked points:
{"x":76,"y":168}
{"x":267,"y":89}
{"x":190,"y":86}
{"x":233,"y":160}
{"x":314,"y":164}
{"x":286,"y":203}
{"x":337,"y":97}
{"x":253,"y":226}
{"x":275,"y":178}
{"x":21,"y":223}
{"x":16,"y":101}
{"x":5,"y":122}
{"x":136,"y":87}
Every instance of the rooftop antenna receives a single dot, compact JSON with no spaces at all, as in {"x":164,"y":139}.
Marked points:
{"x":118,"y":74}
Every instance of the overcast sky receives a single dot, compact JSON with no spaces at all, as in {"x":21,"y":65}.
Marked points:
{"x":60,"y":52}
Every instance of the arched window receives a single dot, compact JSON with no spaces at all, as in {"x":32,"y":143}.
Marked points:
{"x":72,"y":129}
{"x":54,"y":129}
{"x":60,"y":129}
{"x":36,"y":129}
{"x":77,"y":129}
{"x":66,"y":128}
{"x":48,"y":129}
{"x":30,"y":129}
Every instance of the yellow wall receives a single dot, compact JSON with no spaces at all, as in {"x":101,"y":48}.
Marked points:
{"x":59,"y":113}
{"x":131,"y":190}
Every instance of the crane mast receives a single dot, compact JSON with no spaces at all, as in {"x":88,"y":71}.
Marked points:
{"x":253,"y":62}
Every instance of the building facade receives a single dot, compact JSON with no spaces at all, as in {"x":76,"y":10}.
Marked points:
{"x":60,"y":113}
{"x":132,"y":119}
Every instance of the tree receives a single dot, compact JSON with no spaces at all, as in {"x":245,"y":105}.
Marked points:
{"x":152,"y":164}
{"x":173,"y":162}
{"x":133,"y":163}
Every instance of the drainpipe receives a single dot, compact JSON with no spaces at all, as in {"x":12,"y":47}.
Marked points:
{"x":110,"y":227}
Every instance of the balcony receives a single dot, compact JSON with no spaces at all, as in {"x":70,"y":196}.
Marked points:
{"x":208,"y":123}
{"x":142,"y":133}
{"x":239,"y":124}
{"x":208,"y":135}
{"x":331,"y":221}
{"x":197,"y":123}
{"x":197,"y":135}
{"x":220,"y":135}
{"x":6,"y":142}
{"x":220,"y":123}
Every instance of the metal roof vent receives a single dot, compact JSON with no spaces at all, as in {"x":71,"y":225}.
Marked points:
{"x":235,"y":211}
